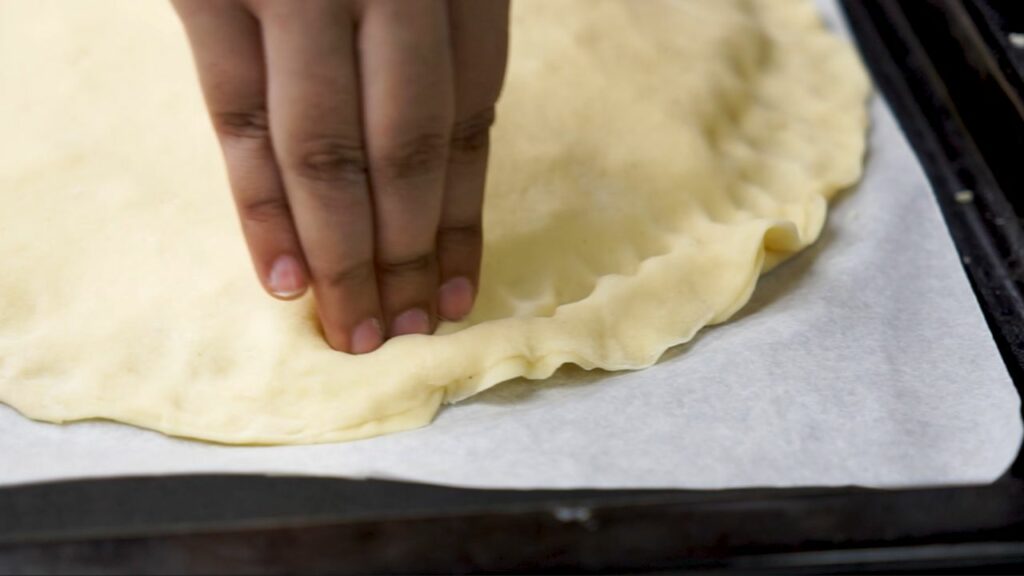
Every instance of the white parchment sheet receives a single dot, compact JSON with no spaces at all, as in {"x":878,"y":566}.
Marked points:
{"x":865,"y":360}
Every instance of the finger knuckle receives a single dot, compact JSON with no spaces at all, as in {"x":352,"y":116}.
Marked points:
{"x":404,"y":266}
{"x":264,"y":211}
{"x":456,"y":237}
{"x":419,"y":156}
{"x":328,"y":159}
{"x":355,"y":274}
{"x":471,"y":135}
{"x":242,"y":124}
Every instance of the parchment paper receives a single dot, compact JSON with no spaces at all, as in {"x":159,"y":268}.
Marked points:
{"x":864,"y":360}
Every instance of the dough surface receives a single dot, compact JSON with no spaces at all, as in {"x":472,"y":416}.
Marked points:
{"x":650,"y":161}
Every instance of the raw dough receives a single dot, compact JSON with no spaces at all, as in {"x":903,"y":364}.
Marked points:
{"x":651,"y":159}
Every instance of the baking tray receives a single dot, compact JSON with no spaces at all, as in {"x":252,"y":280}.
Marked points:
{"x":954,"y":75}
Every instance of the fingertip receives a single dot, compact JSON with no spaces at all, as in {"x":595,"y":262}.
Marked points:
{"x":455,"y":299}
{"x":287,"y":279}
{"x":367,"y":336}
{"x":412,"y":321}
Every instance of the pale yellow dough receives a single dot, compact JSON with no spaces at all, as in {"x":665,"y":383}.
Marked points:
{"x":650,"y":160}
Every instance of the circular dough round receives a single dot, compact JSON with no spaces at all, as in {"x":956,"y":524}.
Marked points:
{"x":650,"y":161}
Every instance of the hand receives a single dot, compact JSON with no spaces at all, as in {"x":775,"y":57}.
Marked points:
{"x":356,"y":136}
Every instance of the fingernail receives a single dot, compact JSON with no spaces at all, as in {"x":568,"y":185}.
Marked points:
{"x":413,"y":321}
{"x":455,"y":298}
{"x":367,"y":336}
{"x":286,"y":278}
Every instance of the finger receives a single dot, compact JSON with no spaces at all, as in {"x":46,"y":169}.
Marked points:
{"x":480,"y":43}
{"x":407,"y":109}
{"x":314,"y":115}
{"x":228,"y":52}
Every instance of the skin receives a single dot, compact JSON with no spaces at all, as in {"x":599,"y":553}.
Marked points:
{"x":355,"y":134}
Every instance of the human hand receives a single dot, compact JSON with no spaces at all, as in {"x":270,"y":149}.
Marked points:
{"x":355,"y":134}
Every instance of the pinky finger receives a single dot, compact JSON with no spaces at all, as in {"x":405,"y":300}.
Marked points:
{"x":227,"y":48}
